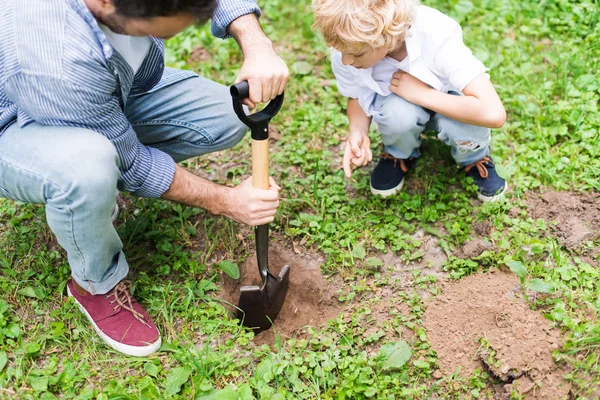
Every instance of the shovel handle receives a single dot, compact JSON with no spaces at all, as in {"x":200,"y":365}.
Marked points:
{"x":259,"y":126}
{"x":260,"y":164}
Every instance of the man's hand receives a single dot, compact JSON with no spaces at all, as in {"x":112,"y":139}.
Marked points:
{"x":243,"y":203}
{"x":409,"y":88}
{"x":357,"y":152}
{"x":266,"y":73}
{"x":252,"y":206}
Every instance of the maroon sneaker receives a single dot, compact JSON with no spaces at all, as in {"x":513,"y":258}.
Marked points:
{"x":119,"y":319}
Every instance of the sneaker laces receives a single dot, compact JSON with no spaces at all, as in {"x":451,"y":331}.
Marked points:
{"x":125,"y":300}
{"x":480,"y":165}
{"x":387,"y":156}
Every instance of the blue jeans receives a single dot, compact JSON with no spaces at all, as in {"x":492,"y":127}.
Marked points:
{"x":400,"y":124}
{"x":75,"y":171}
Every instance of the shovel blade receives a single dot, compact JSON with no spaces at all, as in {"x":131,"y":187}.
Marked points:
{"x":258,"y":307}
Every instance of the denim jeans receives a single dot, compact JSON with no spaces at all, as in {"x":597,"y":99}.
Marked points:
{"x":75,"y":171}
{"x":400,"y":124}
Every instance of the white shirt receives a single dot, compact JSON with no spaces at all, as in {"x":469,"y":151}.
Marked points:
{"x":133,"y":49}
{"x":436,"y":55}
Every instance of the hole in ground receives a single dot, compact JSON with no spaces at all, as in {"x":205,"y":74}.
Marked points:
{"x":310,"y":301}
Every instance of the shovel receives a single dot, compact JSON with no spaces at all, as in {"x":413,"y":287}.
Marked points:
{"x":259,"y":306}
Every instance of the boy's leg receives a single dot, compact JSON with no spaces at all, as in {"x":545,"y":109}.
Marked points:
{"x":186,"y":118}
{"x":400,"y":124}
{"x":470,"y":146}
{"x":468,"y":143}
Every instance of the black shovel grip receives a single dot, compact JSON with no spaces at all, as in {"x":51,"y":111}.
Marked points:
{"x":240,"y":90}
{"x":257,"y":122}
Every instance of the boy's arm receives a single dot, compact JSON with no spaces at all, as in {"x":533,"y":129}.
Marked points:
{"x":480,"y":104}
{"x":358,"y":145}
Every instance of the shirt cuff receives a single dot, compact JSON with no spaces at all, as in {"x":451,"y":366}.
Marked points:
{"x":229,"y":10}
{"x":160,"y":176}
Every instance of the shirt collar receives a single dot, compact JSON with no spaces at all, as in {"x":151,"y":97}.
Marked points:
{"x":81,"y":9}
{"x":413,"y":45}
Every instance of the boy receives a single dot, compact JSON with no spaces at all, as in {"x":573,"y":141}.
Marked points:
{"x":405,"y":66}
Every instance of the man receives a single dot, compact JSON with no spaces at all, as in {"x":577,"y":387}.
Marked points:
{"x":87,"y":108}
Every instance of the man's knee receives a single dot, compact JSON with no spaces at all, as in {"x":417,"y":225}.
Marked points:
{"x":89,"y":166}
{"x":239,"y":130}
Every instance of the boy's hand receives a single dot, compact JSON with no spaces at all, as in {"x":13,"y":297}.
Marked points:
{"x":408,"y":87}
{"x":357,"y":152}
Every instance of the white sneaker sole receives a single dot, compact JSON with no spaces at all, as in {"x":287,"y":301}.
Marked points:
{"x":496,"y":197}
{"x":136,"y":351}
{"x":115,"y":214}
{"x":388,"y":192}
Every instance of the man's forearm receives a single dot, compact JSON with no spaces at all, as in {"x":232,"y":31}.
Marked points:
{"x":242,"y":203}
{"x":264,"y":70}
{"x":249,"y":34}
{"x":192,"y":190}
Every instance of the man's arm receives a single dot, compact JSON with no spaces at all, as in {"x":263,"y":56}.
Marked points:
{"x":243,"y":203}
{"x":229,"y":10}
{"x":266,"y":73}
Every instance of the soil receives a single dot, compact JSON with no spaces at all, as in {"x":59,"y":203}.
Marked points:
{"x":311,"y":299}
{"x":199,"y":54}
{"x":475,"y":247}
{"x":483,"y":322}
{"x":574,"y":218}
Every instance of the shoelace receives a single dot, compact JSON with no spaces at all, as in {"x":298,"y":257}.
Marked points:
{"x":483,"y":172}
{"x":124,"y":300}
{"x":397,"y":161}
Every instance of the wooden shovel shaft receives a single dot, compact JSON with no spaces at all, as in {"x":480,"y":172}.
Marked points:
{"x":260,"y":163}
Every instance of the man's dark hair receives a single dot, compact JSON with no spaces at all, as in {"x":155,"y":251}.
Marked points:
{"x":201,"y":9}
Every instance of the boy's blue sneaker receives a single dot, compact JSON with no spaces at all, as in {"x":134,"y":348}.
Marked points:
{"x":388,"y":176}
{"x":491,"y":186}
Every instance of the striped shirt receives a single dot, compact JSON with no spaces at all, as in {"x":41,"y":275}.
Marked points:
{"x":58,"y":68}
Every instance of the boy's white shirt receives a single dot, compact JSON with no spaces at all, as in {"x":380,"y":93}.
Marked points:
{"x":436,"y":55}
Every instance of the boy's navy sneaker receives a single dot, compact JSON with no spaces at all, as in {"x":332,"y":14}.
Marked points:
{"x":491,"y":186}
{"x":388,"y":176}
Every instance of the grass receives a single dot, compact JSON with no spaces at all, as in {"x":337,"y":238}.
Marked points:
{"x":544,"y":57}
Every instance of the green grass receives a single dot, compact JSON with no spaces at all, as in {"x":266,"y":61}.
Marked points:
{"x":544,"y":58}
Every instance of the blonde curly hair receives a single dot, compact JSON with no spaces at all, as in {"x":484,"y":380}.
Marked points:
{"x":351,"y":25}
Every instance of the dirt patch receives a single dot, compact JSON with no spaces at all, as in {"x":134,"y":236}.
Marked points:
{"x":483,"y":322}
{"x":310,"y":301}
{"x":573,"y":218}
{"x":199,"y":54}
{"x":475,"y":247}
